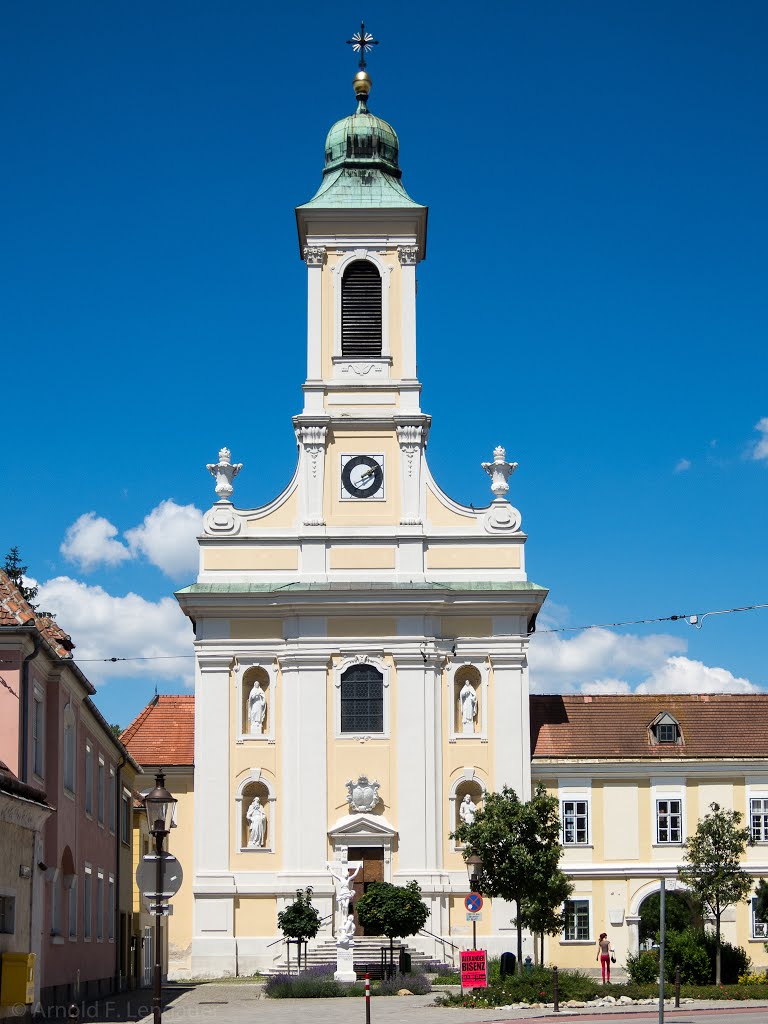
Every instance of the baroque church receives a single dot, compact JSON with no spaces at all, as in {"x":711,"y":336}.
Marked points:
{"x":361,"y":657}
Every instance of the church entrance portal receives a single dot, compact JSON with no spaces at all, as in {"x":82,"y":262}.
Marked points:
{"x":372,"y":871}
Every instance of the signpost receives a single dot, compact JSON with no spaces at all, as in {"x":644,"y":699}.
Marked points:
{"x":474,"y":968}
{"x":474,"y":904}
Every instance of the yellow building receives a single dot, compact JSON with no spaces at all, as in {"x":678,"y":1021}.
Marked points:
{"x":361,"y":640}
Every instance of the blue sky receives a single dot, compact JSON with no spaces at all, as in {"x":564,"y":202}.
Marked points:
{"x":594,"y":298}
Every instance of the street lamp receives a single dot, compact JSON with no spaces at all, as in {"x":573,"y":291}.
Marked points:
{"x":159,"y":805}
{"x":474,"y":864}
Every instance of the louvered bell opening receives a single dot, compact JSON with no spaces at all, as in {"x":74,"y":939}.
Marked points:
{"x":361,"y":311}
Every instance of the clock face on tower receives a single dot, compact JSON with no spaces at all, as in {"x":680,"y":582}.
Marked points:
{"x":362,"y":476}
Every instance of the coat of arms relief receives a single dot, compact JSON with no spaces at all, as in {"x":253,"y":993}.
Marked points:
{"x":362,"y":795}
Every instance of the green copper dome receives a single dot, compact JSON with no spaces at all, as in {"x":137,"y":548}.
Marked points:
{"x":362,"y":140}
{"x":361,"y":166}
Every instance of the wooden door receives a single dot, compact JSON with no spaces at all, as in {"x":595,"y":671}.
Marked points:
{"x":372,"y":871}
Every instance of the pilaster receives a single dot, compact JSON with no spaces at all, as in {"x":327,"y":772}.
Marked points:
{"x":412,"y":437}
{"x":409,"y":257}
{"x":311,"y":438}
{"x":212,"y":745}
{"x":314,"y":257}
{"x":304,"y":776}
{"x":511,"y":757}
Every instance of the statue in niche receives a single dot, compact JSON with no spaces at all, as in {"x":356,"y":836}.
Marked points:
{"x":467,"y":810}
{"x":468,"y":707}
{"x":257,"y":824}
{"x":343,"y":875}
{"x":346,"y":936}
{"x":257,"y":709}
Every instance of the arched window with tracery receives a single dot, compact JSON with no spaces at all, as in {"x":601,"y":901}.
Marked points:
{"x":361,"y":313}
{"x":362,"y":699}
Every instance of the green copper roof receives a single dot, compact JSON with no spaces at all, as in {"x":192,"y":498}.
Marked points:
{"x":361,"y":165}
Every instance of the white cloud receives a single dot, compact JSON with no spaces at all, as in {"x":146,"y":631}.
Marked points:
{"x":105,"y":626}
{"x":682,"y":465}
{"x":684,"y":675}
{"x":598,"y":661}
{"x":89,"y":542}
{"x":759,"y":449}
{"x":168,"y":538}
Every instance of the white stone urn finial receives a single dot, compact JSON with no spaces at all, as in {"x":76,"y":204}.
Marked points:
{"x":499,"y":471}
{"x":224,"y":473}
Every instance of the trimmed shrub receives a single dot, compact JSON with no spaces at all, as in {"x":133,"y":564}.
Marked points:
{"x":643,"y":968}
{"x":734,"y":960}
{"x":417,"y":983}
{"x":687,"y":951}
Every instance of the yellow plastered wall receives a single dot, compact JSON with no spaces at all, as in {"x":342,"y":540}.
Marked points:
{"x":181,"y":844}
{"x":375,"y":626}
{"x":439,"y":515}
{"x":388,"y":258}
{"x":284,"y":516}
{"x":367,"y":513}
{"x":644,"y":819}
{"x":460,"y":927}
{"x":251,"y":558}
{"x":345,"y":757}
{"x":256,"y":629}
{"x":255,"y":915}
{"x":349,"y":557}
{"x":247,"y":755}
{"x":473,"y":556}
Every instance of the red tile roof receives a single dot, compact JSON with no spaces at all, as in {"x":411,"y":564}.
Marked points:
{"x":712,"y":725}
{"x":16,"y":611}
{"x":163,"y":733}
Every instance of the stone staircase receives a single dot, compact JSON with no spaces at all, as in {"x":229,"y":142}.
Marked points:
{"x":367,"y":951}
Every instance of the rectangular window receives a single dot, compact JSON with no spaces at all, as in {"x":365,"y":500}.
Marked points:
{"x":758,"y":814}
{"x":37,"y":736}
{"x":577,"y":920}
{"x":111,"y":908}
{"x":575,"y":817}
{"x":100,"y":792}
{"x":362,"y":700}
{"x":87,"y":910}
{"x":669,"y":819}
{"x":111,"y":799}
{"x":759,"y":927}
{"x":73,"y":909}
{"x":7,"y":915}
{"x":56,"y":907}
{"x":100,"y":906}
{"x":88,"y":779}
{"x":125,"y":815}
{"x":666,"y":732}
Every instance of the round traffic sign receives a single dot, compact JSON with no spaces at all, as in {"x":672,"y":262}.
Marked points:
{"x":146,"y":876}
{"x":473,"y":902}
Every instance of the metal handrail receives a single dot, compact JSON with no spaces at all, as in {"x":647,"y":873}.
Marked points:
{"x":445,"y":942}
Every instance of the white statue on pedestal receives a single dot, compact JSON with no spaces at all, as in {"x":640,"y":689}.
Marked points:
{"x":468,"y":706}
{"x":257,"y":708}
{"x":257,"y":824}
{"x":346,"y":936}
{"x":342,"y":874}
{"x":467,"y":810}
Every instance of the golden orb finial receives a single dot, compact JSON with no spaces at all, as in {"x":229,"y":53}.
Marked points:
{"x":362,"y":84}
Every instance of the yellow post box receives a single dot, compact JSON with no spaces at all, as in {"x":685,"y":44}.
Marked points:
{"x":17,"y":985}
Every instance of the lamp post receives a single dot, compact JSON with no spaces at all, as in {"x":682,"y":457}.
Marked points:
{"x":159,"y":805}
{"x":474,"y":869}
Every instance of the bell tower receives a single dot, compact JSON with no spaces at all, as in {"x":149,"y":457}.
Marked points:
{"x":362,"y":237}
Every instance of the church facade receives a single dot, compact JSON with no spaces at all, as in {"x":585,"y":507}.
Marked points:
{"x":361,"y":640}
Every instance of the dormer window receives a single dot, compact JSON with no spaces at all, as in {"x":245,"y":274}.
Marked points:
{"x":665,"y":730}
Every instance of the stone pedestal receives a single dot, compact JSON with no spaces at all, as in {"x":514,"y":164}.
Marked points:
{"x":345,"y":964}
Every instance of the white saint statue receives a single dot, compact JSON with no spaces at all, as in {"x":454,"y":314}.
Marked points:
{"x":467,"y":810}
{"x":257,"y":708}
{"x":468,"y":706}
{"x":343,"y":875}
{"x":346,"y":936}
{"x":257,"y":823}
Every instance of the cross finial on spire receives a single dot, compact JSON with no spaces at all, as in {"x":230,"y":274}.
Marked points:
{"x":362,"y":42}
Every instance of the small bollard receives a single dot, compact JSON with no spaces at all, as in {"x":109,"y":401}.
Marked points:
{"x":367,"y":999}
{"x":528,"y":964}
{"x":677,"y":986}
{"x":555,"y":992}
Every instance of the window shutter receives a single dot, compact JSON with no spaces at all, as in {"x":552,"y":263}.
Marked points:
{"x":361,"y":311}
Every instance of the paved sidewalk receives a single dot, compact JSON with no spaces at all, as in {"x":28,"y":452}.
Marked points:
{"x":242,"y":1004}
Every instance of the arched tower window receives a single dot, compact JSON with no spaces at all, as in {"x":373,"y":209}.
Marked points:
{"x":362,"y":699}
{"x":361,"y":321}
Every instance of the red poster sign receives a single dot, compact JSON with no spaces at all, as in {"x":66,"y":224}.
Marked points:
{"x":474,"y":968}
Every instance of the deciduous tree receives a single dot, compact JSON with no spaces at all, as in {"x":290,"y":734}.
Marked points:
{"x":712,"y":867}
{"x":519,"y":844}
{"x":392,"y":910}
